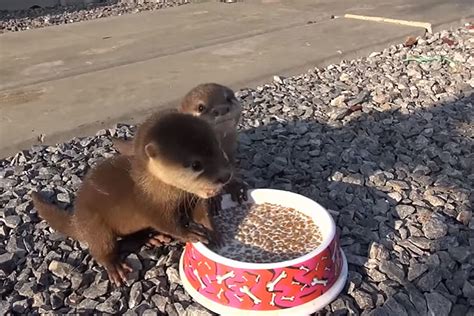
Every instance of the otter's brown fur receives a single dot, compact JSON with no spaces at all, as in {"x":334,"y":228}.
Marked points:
{"x":217,"y":105}
{"x":168,"y":179}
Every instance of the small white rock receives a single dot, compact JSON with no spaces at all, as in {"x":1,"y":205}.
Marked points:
{"x":278,"y":79}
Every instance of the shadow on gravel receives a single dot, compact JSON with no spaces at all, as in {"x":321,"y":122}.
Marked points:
{"x":378,"y":154}
{"x":395,"y":180}
{"x":396,"y":183}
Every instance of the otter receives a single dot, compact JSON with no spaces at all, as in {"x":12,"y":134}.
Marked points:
{"x":177,"y":165}
{"x":217,"y":105}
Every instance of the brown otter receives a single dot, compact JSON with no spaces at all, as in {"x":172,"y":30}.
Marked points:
{"x":217,"y":105}
{"x":176,"y":167}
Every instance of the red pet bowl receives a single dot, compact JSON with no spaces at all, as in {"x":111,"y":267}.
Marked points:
{"x":299,"y":286}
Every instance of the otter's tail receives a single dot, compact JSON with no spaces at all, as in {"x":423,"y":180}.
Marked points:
{"x":59,"y":220}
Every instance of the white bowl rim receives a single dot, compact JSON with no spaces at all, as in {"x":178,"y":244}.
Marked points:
{"x":208,"y":253}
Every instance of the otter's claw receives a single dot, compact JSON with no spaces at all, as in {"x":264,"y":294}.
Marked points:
{"x":118,"y":272}
{"x":237,"y":190}
{"x":198,"y":233}
{"x":157,"y":240}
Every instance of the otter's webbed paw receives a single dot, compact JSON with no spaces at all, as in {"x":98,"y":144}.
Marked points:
{"x":237,"y":190}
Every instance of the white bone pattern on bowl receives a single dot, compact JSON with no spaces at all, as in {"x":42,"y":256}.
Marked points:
{"x":263,"y":289}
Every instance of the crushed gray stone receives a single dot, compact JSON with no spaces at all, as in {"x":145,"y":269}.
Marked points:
{"x":22,"y":20}
{"x":384,"y":143}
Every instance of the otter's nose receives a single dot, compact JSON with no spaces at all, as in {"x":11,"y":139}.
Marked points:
{"x":224,"y":177}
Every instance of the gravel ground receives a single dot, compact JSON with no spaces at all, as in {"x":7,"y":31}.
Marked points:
{"x":21,"y":20}
{"x":387,"y":144}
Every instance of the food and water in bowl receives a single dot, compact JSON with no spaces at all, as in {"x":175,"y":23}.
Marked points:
{"x":280,"y":256}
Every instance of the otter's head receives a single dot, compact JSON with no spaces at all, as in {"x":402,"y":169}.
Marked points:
{"x":213,"y":102}
{"x":182,"y":151}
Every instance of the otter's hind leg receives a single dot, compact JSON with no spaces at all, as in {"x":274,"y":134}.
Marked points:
{"x":104,"y":249}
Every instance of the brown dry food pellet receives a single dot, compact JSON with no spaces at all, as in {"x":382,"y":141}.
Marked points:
{"x":265,"y":233}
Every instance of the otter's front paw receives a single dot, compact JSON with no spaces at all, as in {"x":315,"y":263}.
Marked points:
{"x":197,"y":233}
{"x":117,"y":272}
{"x":237,"y":190}
{"x":158,"y":240}
{"x":215,"y":205}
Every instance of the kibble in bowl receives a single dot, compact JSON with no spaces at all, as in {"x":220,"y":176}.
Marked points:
{"x":265,"y":233}
{"x":280,"y":255}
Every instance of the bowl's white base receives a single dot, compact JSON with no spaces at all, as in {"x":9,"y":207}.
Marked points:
{"x":305,"y":309}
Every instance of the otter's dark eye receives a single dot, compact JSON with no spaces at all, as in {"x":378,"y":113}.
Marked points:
{"x":229,"y":98}
{"x":201,"y":108}
{"x":196,"y":166}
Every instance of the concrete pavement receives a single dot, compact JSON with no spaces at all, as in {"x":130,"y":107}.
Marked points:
{"x":71,"y":80}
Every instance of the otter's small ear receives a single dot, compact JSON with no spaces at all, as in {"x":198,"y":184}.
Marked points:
{"x":229,"y":97}
{"x":151,"y":150}
{"x":235,"y":101}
